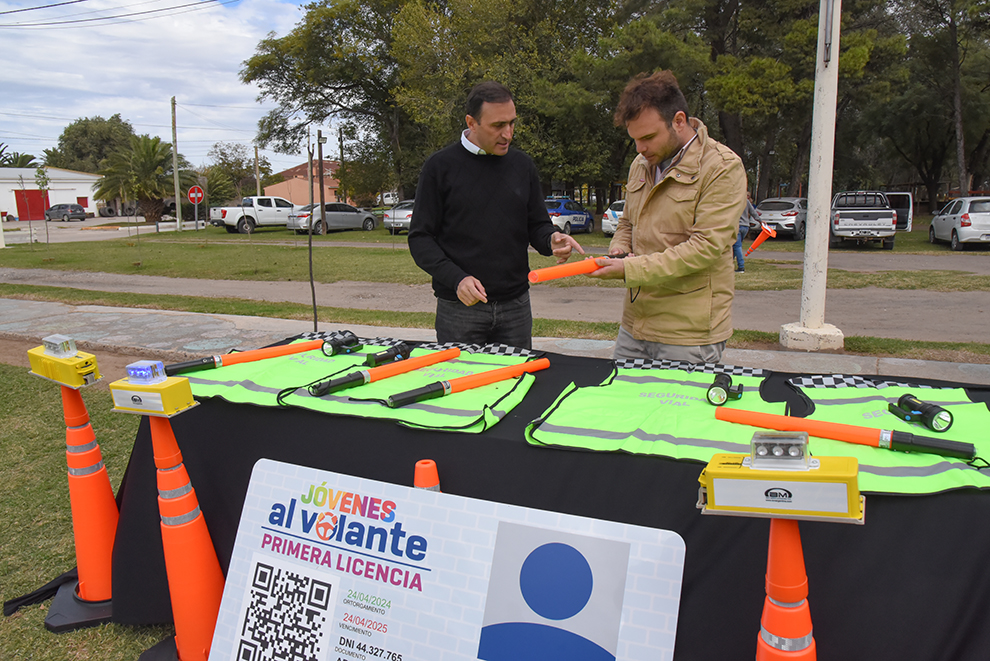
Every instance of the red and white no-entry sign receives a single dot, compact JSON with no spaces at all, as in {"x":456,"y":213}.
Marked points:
{"x":195,"y":195}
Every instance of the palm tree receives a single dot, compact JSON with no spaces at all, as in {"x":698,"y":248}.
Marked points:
{"x":143,"y":172}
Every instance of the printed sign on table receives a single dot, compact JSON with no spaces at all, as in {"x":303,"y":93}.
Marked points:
{"x":332,"y":567}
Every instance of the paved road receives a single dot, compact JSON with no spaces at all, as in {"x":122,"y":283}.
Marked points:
{"x":907,"y":315}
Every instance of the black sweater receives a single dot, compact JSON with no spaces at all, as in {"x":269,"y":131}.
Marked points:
{"x":475,"y":215}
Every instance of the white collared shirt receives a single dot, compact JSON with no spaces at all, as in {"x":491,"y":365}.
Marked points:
{"x":470,"y":146}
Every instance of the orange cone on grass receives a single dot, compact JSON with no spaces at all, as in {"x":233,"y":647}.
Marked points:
{"x":785,"y":629}
{"x":765,"y":232}
{"x":426,"y":475}
{"x":195,"y":580}
{"x":94,"y":509}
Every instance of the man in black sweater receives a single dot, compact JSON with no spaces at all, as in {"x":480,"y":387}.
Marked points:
{"x":478,"y":206}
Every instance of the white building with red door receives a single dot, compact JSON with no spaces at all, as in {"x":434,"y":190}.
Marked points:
{"x":21,"y":197}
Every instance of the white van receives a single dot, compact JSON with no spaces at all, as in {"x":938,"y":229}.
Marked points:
{"x":903,"y":204}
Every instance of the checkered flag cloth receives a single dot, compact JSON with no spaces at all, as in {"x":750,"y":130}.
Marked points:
{"x":495,"y":349}
{"x":849,"y":381}
{"x":704,"y":368}
{"x":328,"y":335}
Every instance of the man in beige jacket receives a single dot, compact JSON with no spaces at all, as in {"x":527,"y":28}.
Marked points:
{"x":685,"y":194}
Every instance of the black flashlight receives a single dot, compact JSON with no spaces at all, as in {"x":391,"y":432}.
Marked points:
{"x":343,"y":342}
{"x":722,"y":390}
{"x":910,"y":409}
{"x":399,"y":352}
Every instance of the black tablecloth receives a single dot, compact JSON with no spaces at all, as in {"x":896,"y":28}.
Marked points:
{"x":912,"y":583}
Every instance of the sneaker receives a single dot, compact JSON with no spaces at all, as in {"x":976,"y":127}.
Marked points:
{"x":740,"y":270}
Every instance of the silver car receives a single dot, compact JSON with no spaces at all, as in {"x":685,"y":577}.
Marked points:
{"x":787,"y":215}
{"x":339,"y":217}
{"x":610,"y":219}
{"x":398,"y":218}
{"x":961,"y":221}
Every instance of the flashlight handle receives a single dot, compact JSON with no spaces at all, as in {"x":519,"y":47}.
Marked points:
{"x":351,"y":380}
{"x":191,"y":366}
{"x":430,"y":391}
{"x":905,"y":441}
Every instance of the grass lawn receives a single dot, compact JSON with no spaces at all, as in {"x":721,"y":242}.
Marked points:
{"x":36,"y":542}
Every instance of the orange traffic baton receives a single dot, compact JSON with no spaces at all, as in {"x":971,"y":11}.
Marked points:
{"x":878,"y":438}
{"x":564,"y":270}
{"x":426,"y":475}
{"x":441,"y":388}
{"x":239,"y":357}
{"x":785,"y":628}
{"x":94,"y":523}
{"x":361,"y":377}
{"x":195,"y":580}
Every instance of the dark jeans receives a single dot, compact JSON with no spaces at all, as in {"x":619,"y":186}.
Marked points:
{"x":503,"y":322}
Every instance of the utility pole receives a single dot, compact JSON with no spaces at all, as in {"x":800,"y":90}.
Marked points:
{"x":175,"y":172}
{"x":812,"y":333}
{"x":340,"y":169}
{"x":257,"y":175}
{"x":320,"y":140}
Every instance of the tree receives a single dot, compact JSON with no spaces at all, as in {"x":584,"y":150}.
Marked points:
{"x":367,"y":170}
{"x":86,"y":142}
{"x":15,"y":159}
{"x":143,"y":172}
{"x":956,"y":26}
{"x":336,"y":64}
{"x":236,"y":162}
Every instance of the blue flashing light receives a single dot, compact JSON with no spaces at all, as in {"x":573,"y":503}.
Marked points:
{"x":146,"y":372}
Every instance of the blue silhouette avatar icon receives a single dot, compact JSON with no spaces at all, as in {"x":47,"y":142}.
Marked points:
{"x":556,"y":583}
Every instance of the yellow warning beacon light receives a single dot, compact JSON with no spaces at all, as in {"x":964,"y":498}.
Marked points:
{"x":147,"y":390}
{"x":58,"y":360}
{"x":779,"y":478}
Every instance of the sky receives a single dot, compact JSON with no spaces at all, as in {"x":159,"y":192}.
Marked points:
{"x":79,"y":64}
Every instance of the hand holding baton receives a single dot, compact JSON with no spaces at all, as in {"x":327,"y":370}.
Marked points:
{"x":566,"y":270}
{"x":441,"y":388}
{"x":361,"y":377}
{"x":878,"y":438}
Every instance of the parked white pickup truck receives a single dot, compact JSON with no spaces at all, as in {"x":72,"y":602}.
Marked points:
{"x":254,"y":212}
{"x":862,"y":216}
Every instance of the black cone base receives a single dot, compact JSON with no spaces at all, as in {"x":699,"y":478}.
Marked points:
{"x":68,"y":612}
{"x":163,"y":651}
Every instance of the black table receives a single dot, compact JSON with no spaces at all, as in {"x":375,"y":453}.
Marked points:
{"x":912,"y":583}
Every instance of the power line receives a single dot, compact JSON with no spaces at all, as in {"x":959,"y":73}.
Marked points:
{"x":60,"y":4}
{"x":200,"y":4}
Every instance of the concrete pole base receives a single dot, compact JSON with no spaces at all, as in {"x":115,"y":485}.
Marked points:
{"x":801,"y":338}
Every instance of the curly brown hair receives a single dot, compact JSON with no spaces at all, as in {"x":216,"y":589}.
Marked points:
{"x":659,"y":91}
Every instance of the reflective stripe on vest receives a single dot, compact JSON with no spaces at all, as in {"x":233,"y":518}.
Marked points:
{"x":649,"y":411}
{"x":864,"y":403}
{"x":469,"y":411}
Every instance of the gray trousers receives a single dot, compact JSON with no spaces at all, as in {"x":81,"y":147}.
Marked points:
{"x":626,"y":346}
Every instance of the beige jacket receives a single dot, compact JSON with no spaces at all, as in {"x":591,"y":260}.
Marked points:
{"x":681,"y":230}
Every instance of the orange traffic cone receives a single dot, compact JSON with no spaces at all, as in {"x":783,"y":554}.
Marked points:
{"x":765,"y":232}
{"x":195,"y":581}
{"x":785,"y":630}
{"x":94,"y":524}
{"x":426,"y":475}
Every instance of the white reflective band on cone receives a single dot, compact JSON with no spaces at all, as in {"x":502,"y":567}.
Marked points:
{"x":786,"y":644}
{"x":179,"y":520}
{"x":88,"y":470}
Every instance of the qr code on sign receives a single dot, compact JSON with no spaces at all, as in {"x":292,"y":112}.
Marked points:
{"x":286,"y":614}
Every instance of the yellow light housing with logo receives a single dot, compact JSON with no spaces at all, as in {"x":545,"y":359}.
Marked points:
{"x":58,"y":360}
{"x":780,"y":479}
{"x":146,"y":390}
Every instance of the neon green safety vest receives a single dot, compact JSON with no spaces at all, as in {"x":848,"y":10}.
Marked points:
{"x":471,"y":411}
{"x":856,"y":401}
{"x":649,"y":411}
